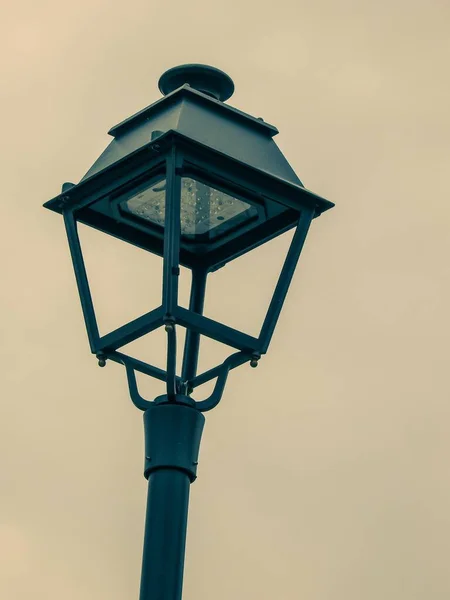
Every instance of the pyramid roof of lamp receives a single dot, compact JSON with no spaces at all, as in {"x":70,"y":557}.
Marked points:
{"x":205,"y":120}
{"x":188,"y":115}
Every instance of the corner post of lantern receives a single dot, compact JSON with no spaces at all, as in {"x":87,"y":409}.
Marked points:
{"x":285,"y":277}
{"x":192,"y":342}
{"x":171,"y":264}
{"x":81,"y":278}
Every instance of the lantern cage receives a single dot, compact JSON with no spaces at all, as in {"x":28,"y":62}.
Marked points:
{"x":198,"y":183}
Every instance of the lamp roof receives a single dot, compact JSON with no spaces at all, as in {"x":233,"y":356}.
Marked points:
{"x":203,"y":118}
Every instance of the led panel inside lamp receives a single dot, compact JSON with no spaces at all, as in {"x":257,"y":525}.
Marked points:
{"x":206,"y":212}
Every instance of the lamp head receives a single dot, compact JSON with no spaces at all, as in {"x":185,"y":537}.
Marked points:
{"x":199,"y":183}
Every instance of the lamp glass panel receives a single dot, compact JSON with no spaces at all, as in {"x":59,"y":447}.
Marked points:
{"x":206,"y":212}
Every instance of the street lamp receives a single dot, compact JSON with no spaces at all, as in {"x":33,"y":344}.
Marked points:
{"x":198,"y":183}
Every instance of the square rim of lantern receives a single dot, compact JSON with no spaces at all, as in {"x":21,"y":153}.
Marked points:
{"x":188,"y":158}
{"x":219,"y":231}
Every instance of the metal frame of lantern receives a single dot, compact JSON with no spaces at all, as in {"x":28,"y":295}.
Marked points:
{"x":190,"y":133}
{"x":95,"y":202}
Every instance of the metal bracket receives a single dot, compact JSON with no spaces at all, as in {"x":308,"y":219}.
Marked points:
{"x":220,"y":373}
{"x":135,"y":396}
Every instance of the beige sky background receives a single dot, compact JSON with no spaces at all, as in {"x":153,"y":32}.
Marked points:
{"x":323,"y":473}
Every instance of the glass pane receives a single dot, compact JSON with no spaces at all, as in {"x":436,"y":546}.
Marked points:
{"x":205,"y":211}
{"x":150,"y":203}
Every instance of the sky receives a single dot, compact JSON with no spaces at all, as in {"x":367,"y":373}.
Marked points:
{"x":323,"y":473}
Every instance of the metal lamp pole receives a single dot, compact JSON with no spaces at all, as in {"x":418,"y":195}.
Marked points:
{"x":172,"y":439}
{"x":198,"y":183}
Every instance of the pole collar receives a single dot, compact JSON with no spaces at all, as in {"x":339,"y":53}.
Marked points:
{"x":173,"y":433}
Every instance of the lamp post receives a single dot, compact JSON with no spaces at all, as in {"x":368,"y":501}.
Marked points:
{"x":198,"y":183}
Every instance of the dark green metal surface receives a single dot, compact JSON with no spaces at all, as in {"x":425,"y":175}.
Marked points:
{"x":172,"y":440}
{"x":208,"y":80}
{"x":188,"y":133}
{"x":165,"y":535}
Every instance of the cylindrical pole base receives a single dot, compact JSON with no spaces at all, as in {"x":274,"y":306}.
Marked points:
{"x":165,"y":535}
{"x":172,"y":441}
